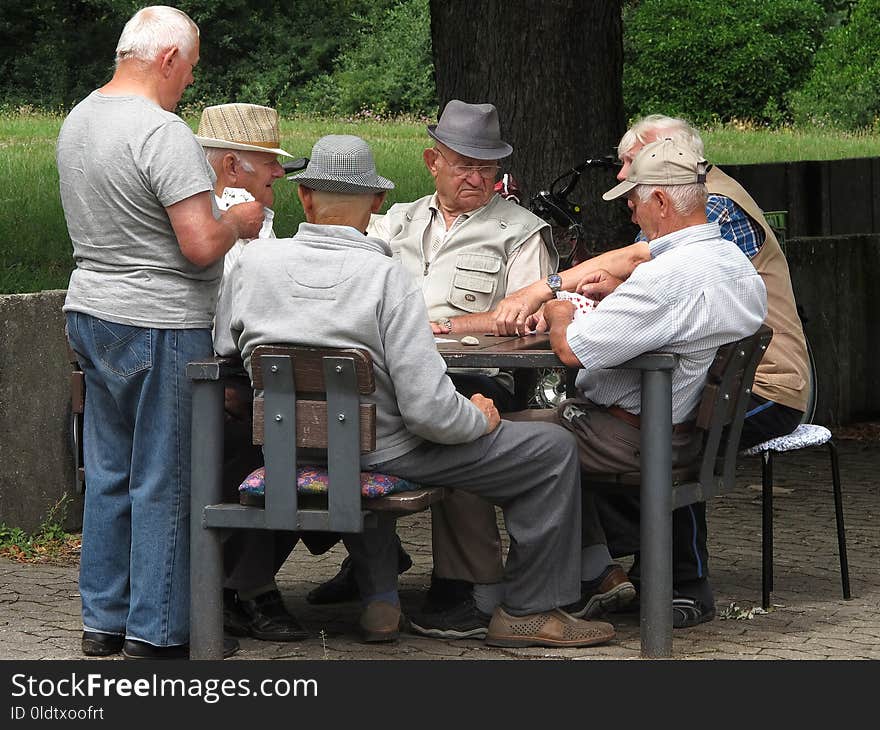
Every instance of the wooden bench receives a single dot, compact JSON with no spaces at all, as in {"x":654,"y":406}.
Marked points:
{"x":307,"y":405}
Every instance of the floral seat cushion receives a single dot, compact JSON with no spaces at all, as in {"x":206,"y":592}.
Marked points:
{"x":807,"y":434}
{"x":314,"y":479}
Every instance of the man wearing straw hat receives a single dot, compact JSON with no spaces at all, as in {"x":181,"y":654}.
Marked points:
{"x":242,"y":143}
{"x":333,"y":286}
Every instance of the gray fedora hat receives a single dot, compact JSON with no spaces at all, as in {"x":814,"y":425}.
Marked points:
{"x":471,"y":130}
{"x":342,"y":163}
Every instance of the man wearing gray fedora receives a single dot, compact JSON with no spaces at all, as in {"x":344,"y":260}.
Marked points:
{"x":468,"y":248}
{"x":333,"y":286}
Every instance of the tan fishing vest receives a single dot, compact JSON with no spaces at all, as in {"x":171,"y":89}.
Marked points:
{"x":783,"y":373}
{"x":469,"y":272}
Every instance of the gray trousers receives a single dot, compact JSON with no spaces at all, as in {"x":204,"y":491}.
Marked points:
{"x":529,"y":470}
{"x":605,"y":445}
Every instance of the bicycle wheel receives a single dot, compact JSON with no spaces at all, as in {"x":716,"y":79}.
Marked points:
{"x":549,"y":391}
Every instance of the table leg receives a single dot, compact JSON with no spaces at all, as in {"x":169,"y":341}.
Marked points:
{"x":656,"y":514}
{"x":206,"y":554}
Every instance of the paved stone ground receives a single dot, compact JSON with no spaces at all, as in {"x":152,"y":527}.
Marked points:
{"x":39,"y":604}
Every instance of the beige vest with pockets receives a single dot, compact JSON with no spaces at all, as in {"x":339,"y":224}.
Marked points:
{"x":783,"y":373}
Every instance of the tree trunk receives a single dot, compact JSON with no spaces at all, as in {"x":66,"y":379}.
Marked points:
{"x":553,"y":68}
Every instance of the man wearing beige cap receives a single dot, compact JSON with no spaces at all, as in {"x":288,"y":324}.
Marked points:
{"x":698,"y":292}
{"x":333,"y":286}
{"x":242,"y":143}
{"x":780,"y":393}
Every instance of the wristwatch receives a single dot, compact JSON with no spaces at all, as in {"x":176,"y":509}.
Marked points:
{"x":445,"y":322}
{"x":554,"y":281}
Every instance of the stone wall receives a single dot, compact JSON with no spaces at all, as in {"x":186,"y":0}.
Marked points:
{"x":36,"y":458}
{"x":835,"y":283}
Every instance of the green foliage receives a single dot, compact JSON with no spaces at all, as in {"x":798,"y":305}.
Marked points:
{"x":54,"y":52}
{"x":49,"y":542}
{"x":843,"y":89}
{"x":388,"y":70}
{"x":711,"y":60}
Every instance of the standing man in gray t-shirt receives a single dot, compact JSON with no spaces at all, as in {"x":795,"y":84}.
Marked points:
{"x":138,"y":199}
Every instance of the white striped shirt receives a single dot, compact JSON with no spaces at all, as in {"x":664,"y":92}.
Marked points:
{"x":696,"y":293}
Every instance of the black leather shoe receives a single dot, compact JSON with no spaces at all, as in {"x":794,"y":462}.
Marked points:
{"x":342,"y":587}
{"x":95,"y":643}
{"x":264,"y":617}
{"x":339,"y":589}
{"x":134,"y":649}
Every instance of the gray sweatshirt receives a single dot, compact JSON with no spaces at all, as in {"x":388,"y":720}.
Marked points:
{"x":332,"y":286}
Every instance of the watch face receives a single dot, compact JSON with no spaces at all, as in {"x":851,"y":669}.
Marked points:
{"x":554,"y":281}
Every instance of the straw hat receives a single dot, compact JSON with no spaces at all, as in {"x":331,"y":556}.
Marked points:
{"x":240,"y":127}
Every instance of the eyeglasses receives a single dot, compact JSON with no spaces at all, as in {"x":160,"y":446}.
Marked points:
{"x":487,"y":172}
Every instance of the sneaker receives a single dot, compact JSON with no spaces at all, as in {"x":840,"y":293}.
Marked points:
{"x":462,"y":620}
{"x":687,"y":612}
{"x":693,"y":603}
{"x":610,"y":592}
{"x":554,"y":628}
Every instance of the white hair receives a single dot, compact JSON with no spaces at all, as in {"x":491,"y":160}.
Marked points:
{"x":649,"y":128}
{"x":686,"y":199}
{"x":215,"y":156}
{"x":155,"y":29}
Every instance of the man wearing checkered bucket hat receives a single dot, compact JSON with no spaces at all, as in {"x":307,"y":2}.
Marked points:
{"x":331,"y":285}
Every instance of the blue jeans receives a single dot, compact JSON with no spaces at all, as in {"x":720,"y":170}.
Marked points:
{"x":134,"y":569}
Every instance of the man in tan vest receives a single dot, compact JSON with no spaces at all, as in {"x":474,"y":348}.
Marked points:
{"x":781,"y":387}
{"x":469,"y":248}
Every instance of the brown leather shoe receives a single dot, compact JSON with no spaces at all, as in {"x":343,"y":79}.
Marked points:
{"x":610,"y":592}
{"x":381,"y":621}
{"x":553,"y":628}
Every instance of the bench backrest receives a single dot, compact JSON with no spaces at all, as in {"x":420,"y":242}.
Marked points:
{"x":311,"y":400}
{"x":723,"y":406}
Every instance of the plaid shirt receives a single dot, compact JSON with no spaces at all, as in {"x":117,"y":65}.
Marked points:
{"x":736,"y":225}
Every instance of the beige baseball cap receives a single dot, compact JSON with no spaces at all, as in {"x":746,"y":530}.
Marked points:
{"x":661,"y":163}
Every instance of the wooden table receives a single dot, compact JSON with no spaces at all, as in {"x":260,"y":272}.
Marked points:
{"x":531,"y":351}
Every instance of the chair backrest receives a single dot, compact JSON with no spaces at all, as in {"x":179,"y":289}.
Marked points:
{"x":723,"y":406}
{"x":311,"y":400}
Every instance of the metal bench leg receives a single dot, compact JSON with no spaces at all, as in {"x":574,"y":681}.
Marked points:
{"x":838,"y":513}
{"x":206,"y":553}
{"x":656,"y":515}
{"x":766,"y":528}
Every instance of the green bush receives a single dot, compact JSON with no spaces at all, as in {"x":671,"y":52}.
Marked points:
{"x":843,"y":89}
{"x":715,"y":60}
{"x":388,"y":70}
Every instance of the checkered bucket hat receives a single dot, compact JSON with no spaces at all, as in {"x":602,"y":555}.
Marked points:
{"x":342,"y":163}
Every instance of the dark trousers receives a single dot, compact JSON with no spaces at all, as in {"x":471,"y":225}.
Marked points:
{"x":619,"y":514}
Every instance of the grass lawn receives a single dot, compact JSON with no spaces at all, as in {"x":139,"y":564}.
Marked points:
{"x":35,"y":248}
